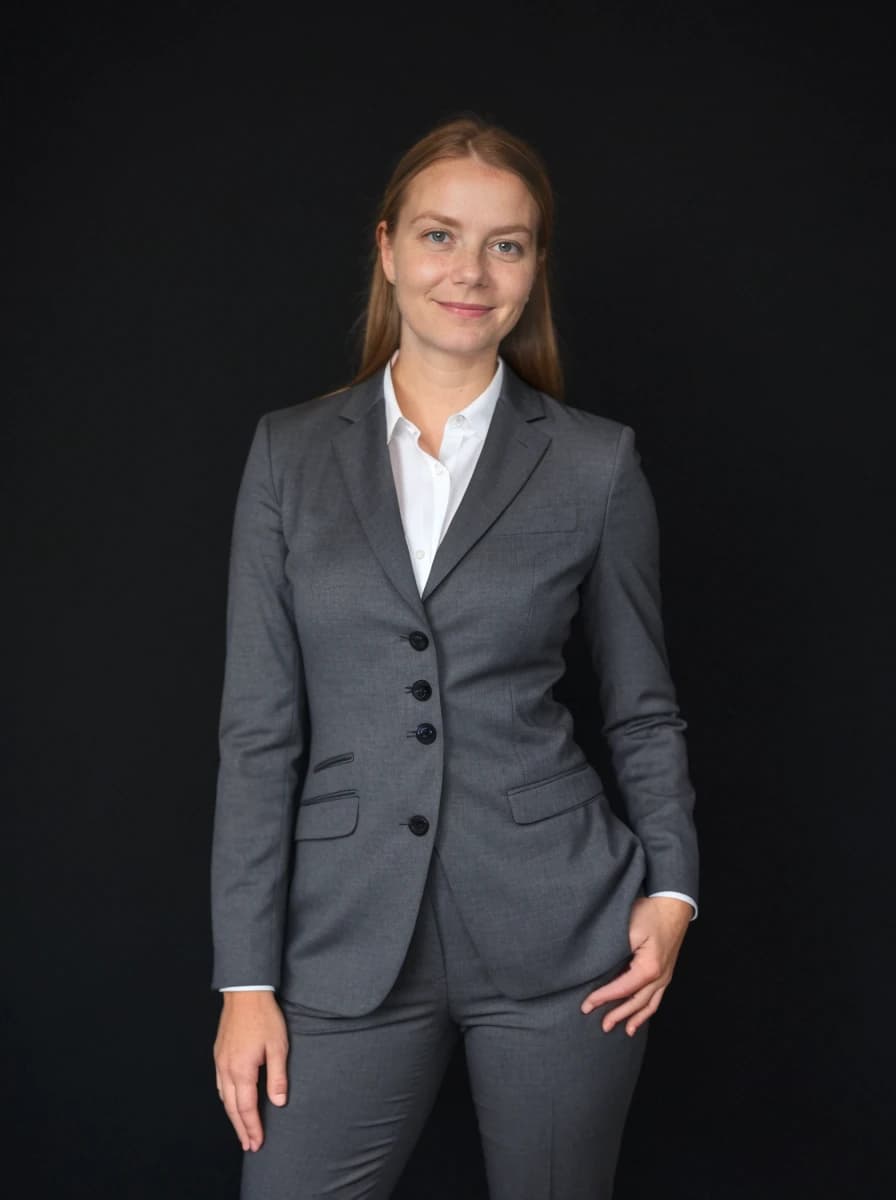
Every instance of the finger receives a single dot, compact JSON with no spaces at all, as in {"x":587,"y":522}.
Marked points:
{"x":230,"y":1107}
{"x":247,"y":1107}
{"x":639,"y":974}
{"x":645,"y":1014}
{"x":277,"y":1086}
{"x":633,"y":1005}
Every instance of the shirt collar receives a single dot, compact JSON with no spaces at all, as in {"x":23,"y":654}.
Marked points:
{"x":478,"y":412}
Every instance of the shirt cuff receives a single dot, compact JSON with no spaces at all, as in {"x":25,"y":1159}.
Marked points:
{"x":249,"y":987}
{"x":679,"y":896}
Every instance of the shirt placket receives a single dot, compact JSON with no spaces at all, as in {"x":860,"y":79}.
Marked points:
{"x":440,"y":476}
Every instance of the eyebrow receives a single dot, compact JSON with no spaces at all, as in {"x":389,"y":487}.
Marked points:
{"x":443,"y":220}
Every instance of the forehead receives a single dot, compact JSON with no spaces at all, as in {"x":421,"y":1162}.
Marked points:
{"x":472,"y":192}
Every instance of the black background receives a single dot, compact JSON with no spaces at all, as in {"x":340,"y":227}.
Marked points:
{"x":193,"y":200}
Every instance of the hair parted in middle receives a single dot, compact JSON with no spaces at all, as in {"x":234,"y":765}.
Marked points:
{"x":531,"y":346}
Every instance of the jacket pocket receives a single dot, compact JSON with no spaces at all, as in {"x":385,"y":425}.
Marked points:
{"x":552,"y":796}
{"x":331,"y":762}
{"x":547,"y":518}
{"x":332,"y":814}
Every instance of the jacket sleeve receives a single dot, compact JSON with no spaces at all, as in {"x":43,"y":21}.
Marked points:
{"x":622,"y":620}
{"x":261,"y":738}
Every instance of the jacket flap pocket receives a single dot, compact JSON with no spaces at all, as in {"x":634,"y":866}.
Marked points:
{"x":333,"y":815}
{"x":547,"y":798}
{"x":545,"y":518}
{"x":332,"y":761}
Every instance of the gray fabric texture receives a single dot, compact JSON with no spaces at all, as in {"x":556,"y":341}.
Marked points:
{"x":551,"y":1091}
{"x":318,"y":863}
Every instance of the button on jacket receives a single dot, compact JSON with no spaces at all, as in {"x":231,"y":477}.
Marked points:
{"x":333,"y":624}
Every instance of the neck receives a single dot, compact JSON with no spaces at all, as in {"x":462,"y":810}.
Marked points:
{"x":432,"y":387}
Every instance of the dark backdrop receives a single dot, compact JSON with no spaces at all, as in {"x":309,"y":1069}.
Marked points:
{"x":194,"y":194}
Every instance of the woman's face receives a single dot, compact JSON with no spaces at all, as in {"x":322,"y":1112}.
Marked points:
{"x":462,"y":257}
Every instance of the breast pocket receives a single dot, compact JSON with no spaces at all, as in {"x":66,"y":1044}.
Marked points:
{"x":328,"y":815}
{"x":545,"y":518}
{"x":557,"y":794}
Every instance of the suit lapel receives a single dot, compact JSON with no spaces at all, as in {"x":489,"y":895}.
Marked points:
{"x":509,"y":455}
{"x":513,"y":446}
{"x":363,"y":456}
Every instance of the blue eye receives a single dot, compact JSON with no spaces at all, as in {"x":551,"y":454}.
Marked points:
{"x":440,"y":236}
{"x":509,"y":247}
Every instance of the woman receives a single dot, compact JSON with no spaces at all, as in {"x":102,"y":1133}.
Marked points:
{"x":409,"y":844}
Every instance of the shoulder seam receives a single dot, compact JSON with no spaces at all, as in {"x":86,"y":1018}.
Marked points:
{"x":266,"y":422}
{"x":613,"y":477}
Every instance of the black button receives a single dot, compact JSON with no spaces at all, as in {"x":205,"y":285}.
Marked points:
{"x":426,"y":733}
{"x":418,"y":825}
{"x":418,"y":640}
{"x":421,"y":690}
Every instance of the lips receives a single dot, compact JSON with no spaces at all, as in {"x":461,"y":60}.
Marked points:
{"x":465,"y":310}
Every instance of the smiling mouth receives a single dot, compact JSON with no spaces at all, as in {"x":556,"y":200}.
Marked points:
{"x":467,"y":310}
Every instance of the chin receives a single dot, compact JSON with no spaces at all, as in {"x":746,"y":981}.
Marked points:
{"x":468,"y":341}
{"x":468,"y":347}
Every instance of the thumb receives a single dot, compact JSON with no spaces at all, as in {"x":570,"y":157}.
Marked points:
{"x":276,"y":1077}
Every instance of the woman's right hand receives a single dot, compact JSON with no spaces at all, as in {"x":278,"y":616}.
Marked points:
{"x":251,"y":1032}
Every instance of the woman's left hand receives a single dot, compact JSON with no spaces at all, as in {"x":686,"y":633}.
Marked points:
{"x":656,"y":930}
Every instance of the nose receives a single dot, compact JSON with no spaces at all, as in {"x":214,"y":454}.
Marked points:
{"x":468,"y":267}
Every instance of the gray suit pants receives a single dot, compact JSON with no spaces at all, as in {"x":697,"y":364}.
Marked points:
{"x":551,"y":1089}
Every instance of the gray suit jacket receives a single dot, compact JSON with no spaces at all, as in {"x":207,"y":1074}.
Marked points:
{"x":362,"y":724}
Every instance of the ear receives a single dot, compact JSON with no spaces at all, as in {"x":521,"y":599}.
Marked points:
{"x":385,"y":247}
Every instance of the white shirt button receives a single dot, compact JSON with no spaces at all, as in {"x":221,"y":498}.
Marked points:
{"x":419,"y":553}
{"x":438,"y":469}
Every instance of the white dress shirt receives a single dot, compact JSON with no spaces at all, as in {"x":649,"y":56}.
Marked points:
{"x":429,"y":491}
